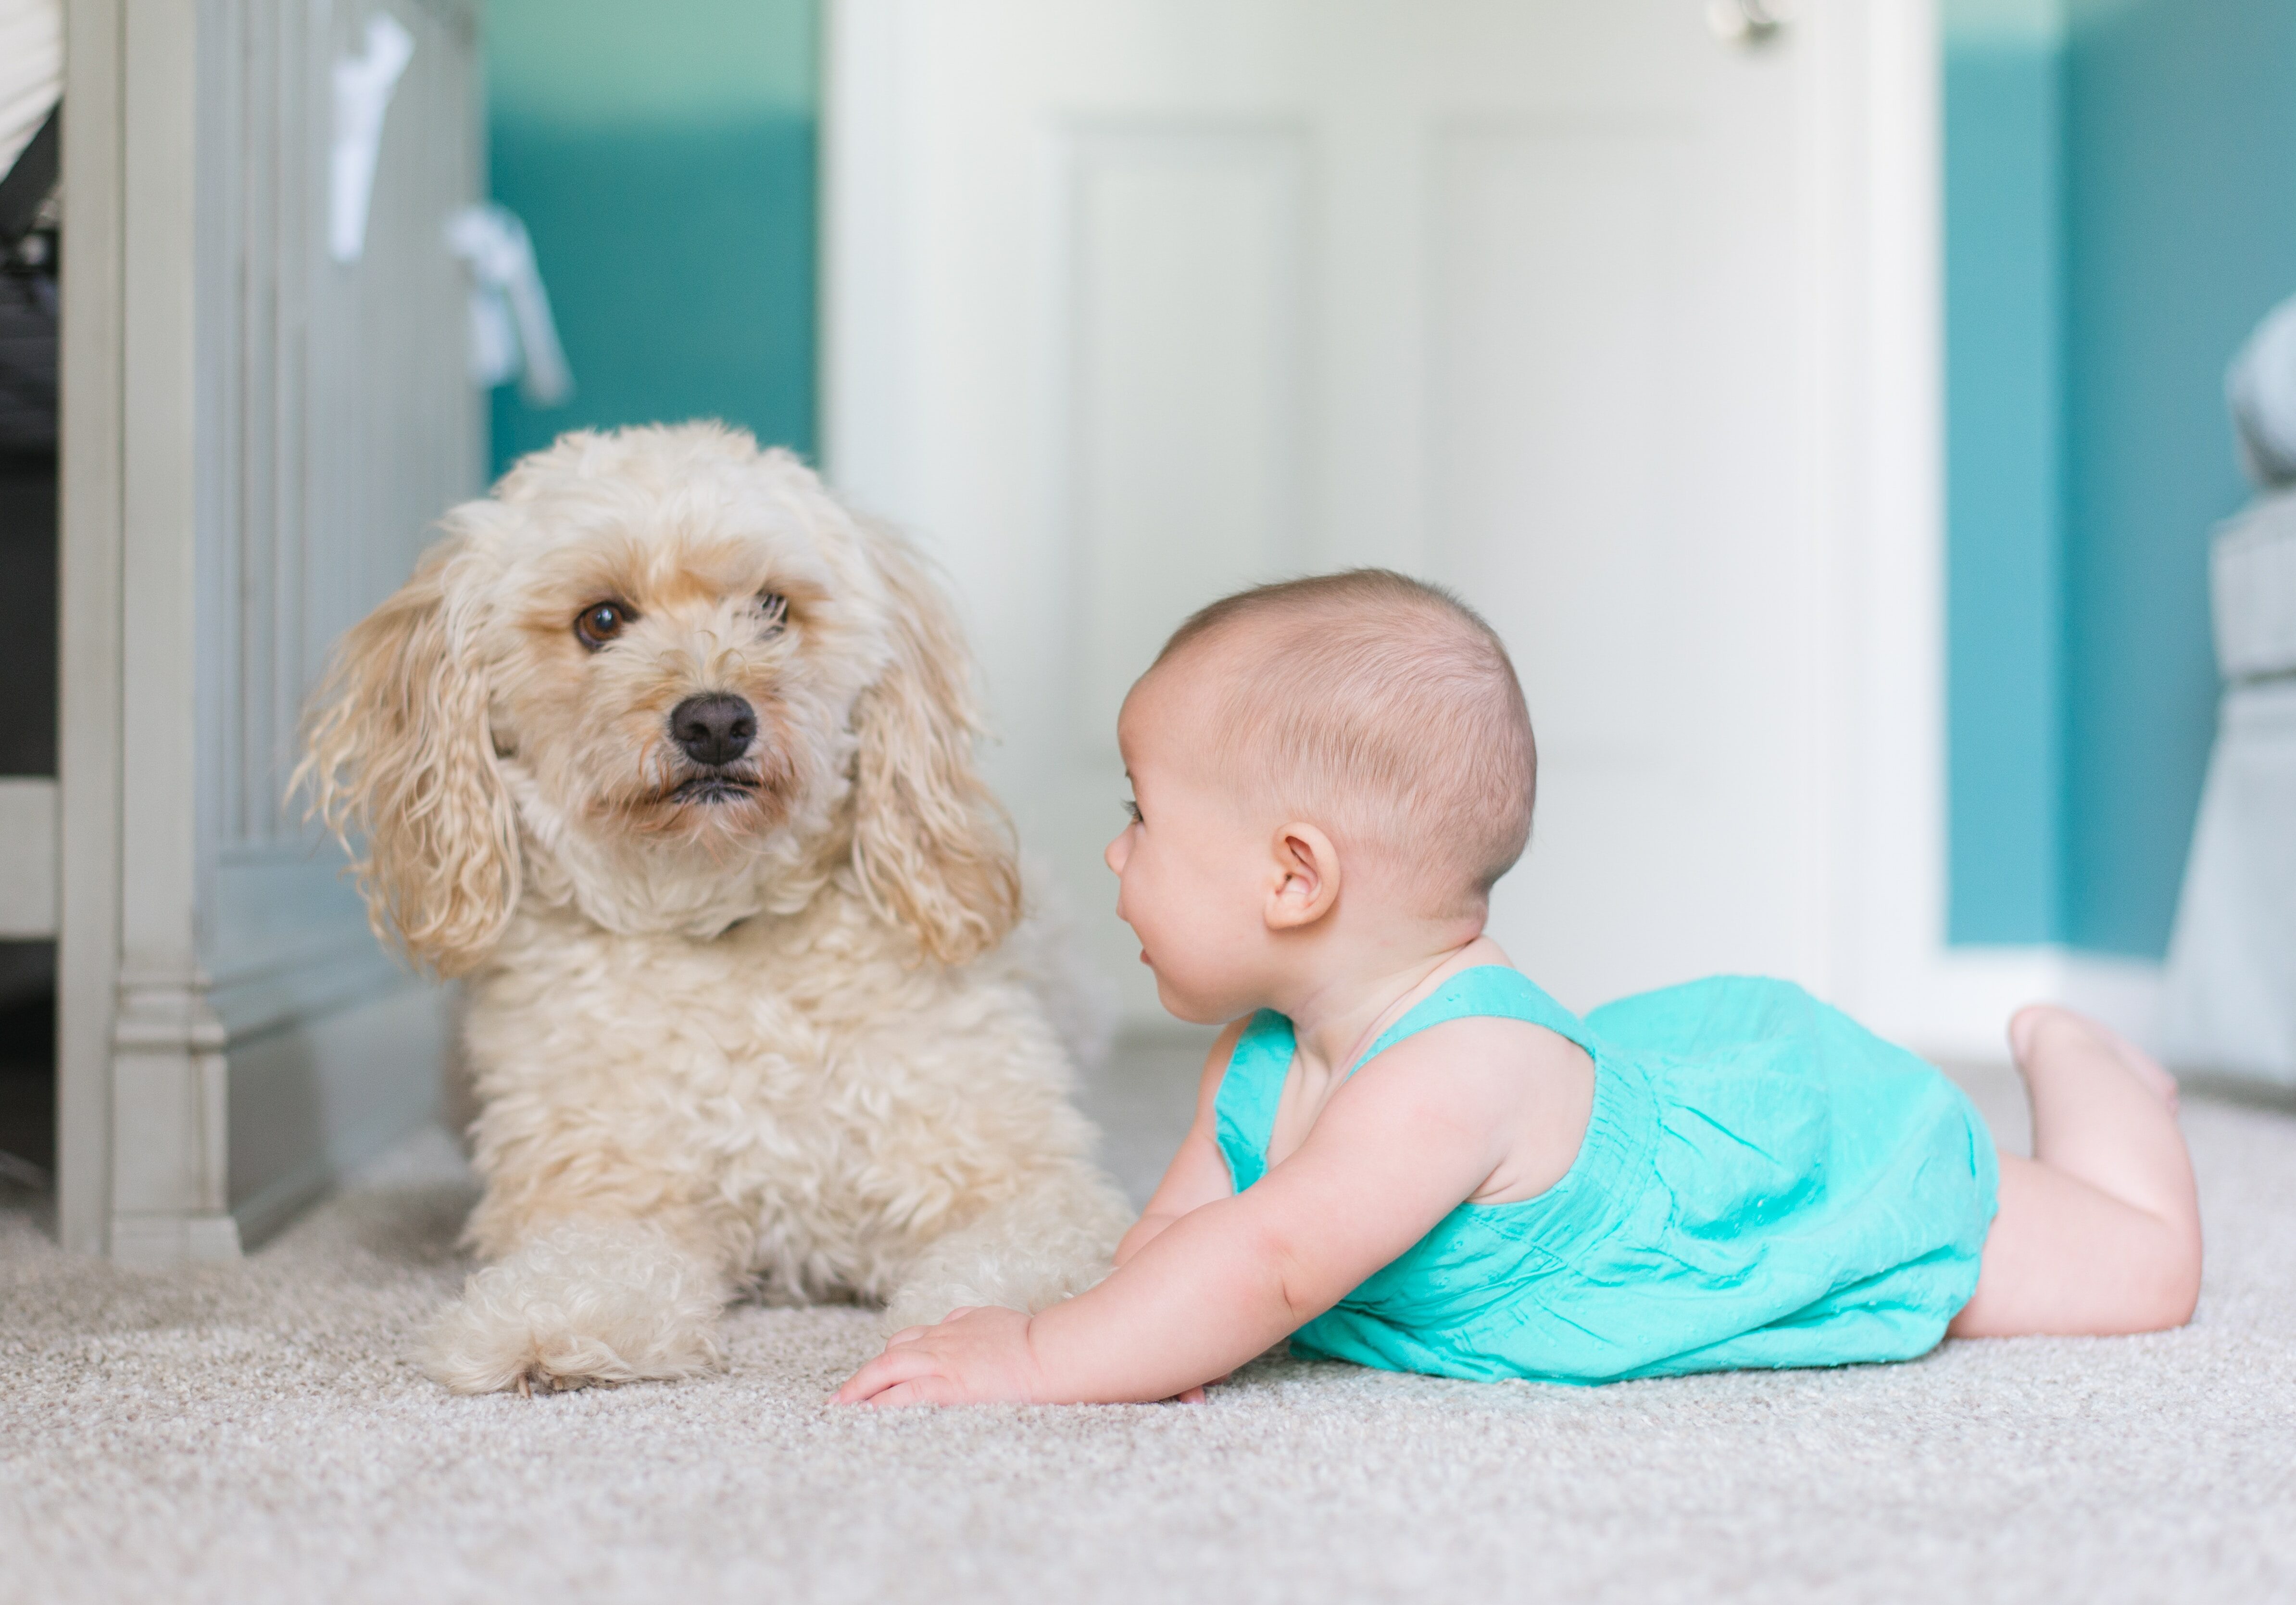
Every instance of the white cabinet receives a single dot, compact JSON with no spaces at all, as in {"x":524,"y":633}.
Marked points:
{"x":257,"y":437}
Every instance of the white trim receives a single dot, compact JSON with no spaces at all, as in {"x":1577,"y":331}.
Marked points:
{"x":160,"y":1241}
{"x":1891,"y":876}
{"x":1898,"y":973}
{"x":1960,"y":1000}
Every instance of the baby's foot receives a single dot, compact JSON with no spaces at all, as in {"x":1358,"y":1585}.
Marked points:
{"x":2028,"y":1026}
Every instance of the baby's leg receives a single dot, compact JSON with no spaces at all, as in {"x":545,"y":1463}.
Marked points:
{"x":2099,"y":1233}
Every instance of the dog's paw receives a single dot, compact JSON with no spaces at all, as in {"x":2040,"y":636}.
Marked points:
{"x":582,"y":1303}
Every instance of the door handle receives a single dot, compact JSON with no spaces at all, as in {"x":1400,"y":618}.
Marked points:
{"x":1748,"y":22}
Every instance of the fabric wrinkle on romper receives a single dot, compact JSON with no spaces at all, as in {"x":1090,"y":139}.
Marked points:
{"x":1763,"y":1183}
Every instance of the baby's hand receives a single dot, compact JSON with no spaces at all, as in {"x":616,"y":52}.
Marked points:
{"x":977,"y":1356}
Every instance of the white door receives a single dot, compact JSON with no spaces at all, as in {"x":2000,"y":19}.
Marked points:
{"x":1136,"y":302}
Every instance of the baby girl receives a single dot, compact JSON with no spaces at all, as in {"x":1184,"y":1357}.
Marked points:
{"x":1405,"y":1155}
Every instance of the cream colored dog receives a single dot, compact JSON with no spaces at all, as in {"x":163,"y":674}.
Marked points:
{"x":672,"y":756}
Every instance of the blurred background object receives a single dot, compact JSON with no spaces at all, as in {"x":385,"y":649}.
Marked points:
{"x":2230,"y":1002}
{"x":31,"y":87}
{"x":2260,"y":388}
{"x":513,"y":334}
{"x":363,"y":83}
{"x":31,"y":73}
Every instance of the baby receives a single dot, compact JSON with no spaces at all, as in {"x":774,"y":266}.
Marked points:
{"x":1405,"y":1155}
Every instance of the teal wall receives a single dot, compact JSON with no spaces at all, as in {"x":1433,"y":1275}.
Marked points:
{"x":2121,"y":209}
{"x":662,"y":156}
{"x":2181,"y":233}
{"x":2005,"y":483}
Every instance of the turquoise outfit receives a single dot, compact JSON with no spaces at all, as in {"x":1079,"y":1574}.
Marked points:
{"x":1763,"y":1182}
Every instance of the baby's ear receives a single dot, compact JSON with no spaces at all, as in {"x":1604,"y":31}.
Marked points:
{"x":1303,"y":877}
{"x":398,"y":753}
{"x":931,"y":848}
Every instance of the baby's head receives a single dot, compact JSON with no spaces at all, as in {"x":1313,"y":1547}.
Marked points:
{"x":1364,"y":717}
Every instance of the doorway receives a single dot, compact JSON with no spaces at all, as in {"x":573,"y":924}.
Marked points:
{"x":1615,"y":319}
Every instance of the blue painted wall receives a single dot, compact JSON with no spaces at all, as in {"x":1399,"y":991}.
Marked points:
{"x":2004,"y":487}
{"x":2121,"y":209}
{"x":2181,"y":233}
{"x":662,"y":156}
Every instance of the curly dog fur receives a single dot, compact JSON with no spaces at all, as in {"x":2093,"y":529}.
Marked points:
{"x":753,"y":1018}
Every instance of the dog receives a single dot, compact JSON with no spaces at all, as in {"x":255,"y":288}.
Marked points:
{"x":670,"y":756}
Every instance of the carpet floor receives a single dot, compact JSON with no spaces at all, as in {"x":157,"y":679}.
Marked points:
{"x":257,"y":1432}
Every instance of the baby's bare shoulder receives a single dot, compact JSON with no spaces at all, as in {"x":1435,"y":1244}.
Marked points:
{"x":1521,"y":1088}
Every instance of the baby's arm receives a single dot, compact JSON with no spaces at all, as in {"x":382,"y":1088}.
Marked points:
{"x":1397,"y":1149}
{"x":1198,"y":1173}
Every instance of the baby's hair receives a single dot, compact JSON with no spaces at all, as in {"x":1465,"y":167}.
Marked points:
{"x":1387,"y":710}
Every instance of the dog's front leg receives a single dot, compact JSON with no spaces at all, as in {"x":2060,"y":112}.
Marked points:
{"x":580,"y":1301}
{"x":1050,"y":1241}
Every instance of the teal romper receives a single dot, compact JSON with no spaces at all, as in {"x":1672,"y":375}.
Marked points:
{"x":1763,"y":1182}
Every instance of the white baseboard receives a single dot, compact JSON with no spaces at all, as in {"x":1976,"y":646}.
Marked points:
{"x":156,"y":1242}
{"x":1959,"y":1007}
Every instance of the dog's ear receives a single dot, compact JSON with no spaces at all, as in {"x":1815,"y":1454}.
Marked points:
{"x":931,"y":845}
{"x":398,"y":751}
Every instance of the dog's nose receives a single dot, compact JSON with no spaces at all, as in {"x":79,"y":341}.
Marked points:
{"x":714,"y":728}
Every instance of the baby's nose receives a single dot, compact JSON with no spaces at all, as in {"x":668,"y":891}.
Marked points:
{"x":714,"y":728}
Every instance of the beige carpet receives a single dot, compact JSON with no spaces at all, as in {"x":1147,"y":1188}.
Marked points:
{"x":255,"y":1433}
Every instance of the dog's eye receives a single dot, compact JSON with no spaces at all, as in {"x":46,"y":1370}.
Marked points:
{"x":601,"y":622}
{"x":775,"y":608}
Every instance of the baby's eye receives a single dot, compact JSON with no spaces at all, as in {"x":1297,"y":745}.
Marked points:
{"x":1132,"y":811}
